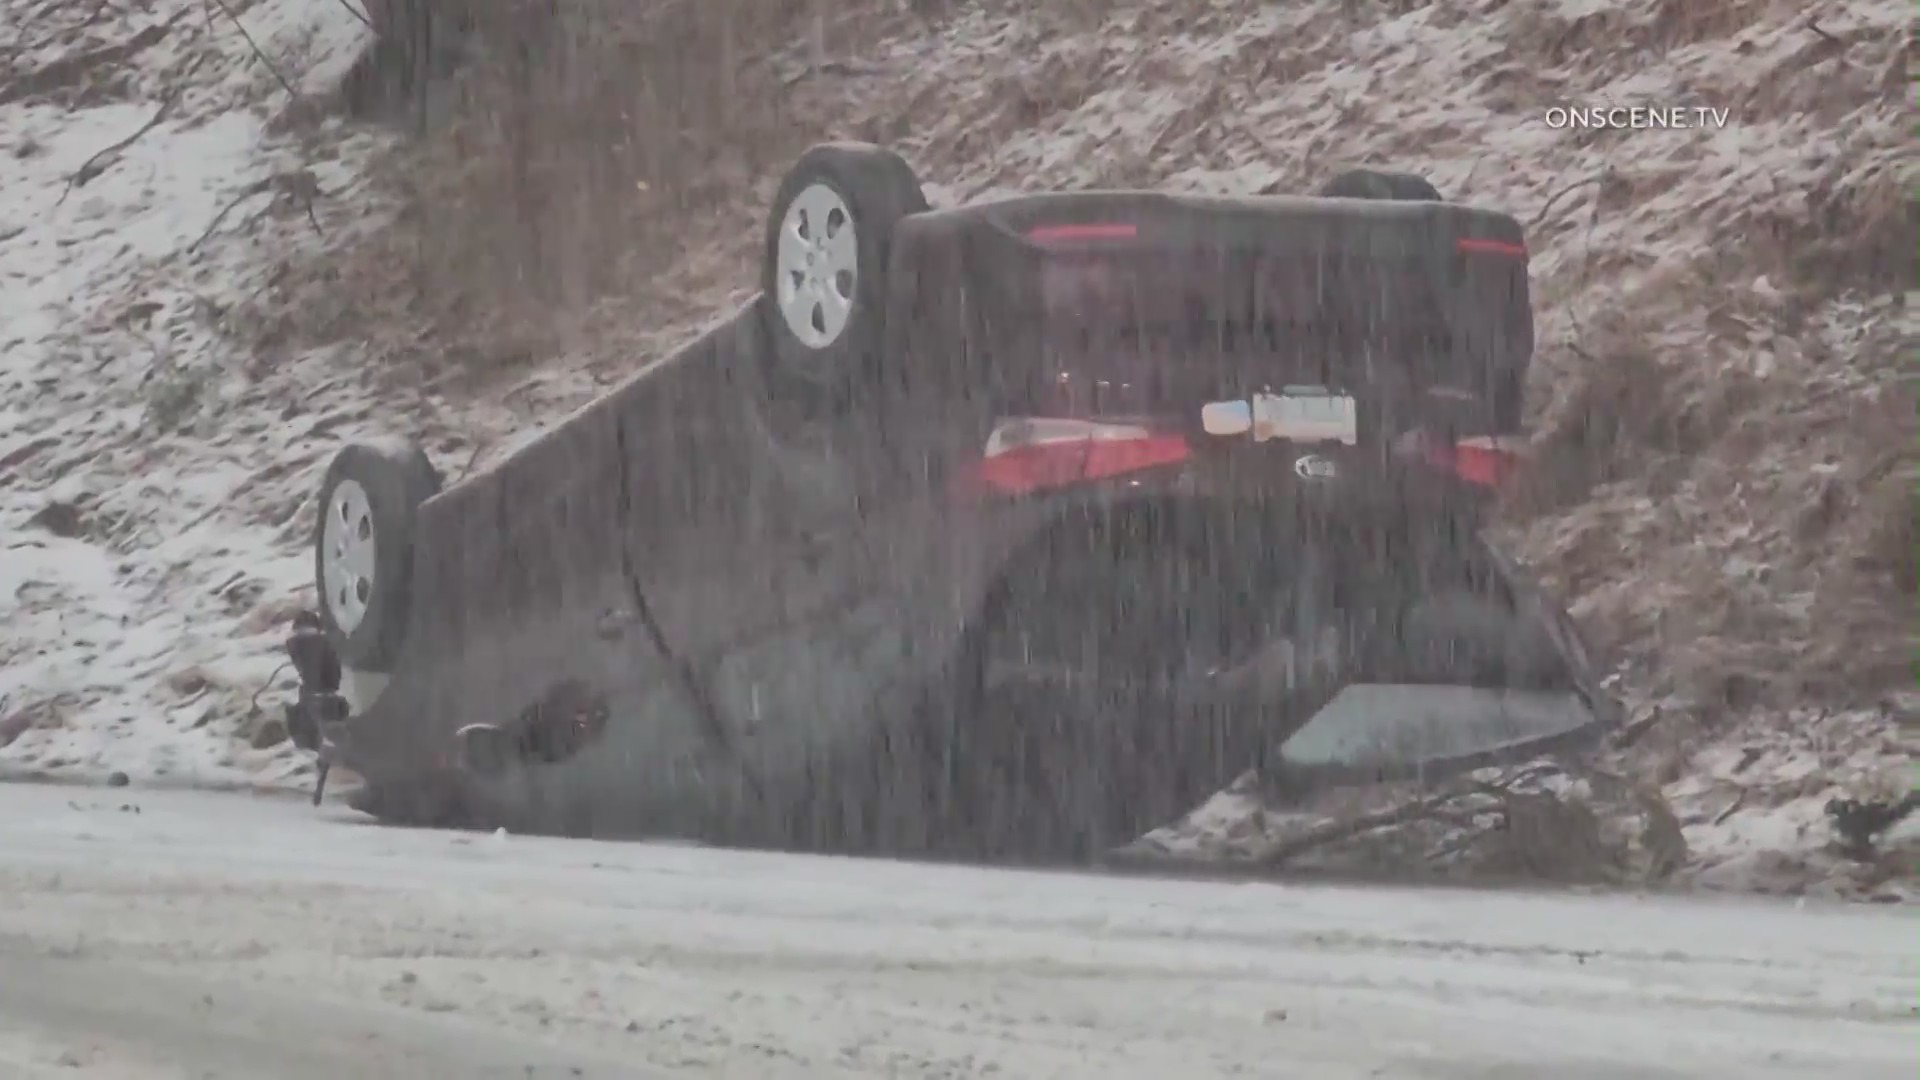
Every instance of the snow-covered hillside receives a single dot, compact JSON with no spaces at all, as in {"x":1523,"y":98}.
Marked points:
{"x":154,"y":172}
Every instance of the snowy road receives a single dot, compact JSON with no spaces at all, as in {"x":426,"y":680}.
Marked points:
{"x":207,"y":935}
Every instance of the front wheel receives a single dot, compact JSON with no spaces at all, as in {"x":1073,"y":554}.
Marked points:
{"x":363,"y":548}
{"x":823,"y":278}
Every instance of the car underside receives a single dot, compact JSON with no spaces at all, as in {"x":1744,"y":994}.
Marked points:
{"x":1010,"y":532}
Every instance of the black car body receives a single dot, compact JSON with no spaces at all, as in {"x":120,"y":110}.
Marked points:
{"x":1096,"y":501}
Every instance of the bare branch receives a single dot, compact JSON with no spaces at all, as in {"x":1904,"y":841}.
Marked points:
{"x":70,"y":69}
{"x":98,"y":163}
{"x":1547,"y":207}
{"x":1814,"y":25}
{"x":258,"y":53}
{"x":357,"y":13}
{"x":1332,"y":832}
{"x":20,"y":47}
{"x":246,"y":193}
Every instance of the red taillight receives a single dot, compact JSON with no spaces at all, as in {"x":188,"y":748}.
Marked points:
{"x":1057,"y":234}
{"x":1025,"y":456}
{"x":1484,"y":462}
{"x":1471,"y":246}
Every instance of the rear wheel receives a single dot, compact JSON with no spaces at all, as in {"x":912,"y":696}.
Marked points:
{"x":363,"y":548}
{"x":1379,"y":184}
{"x":823,"y":280}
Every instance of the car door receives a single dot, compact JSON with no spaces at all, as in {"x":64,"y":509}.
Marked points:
{"x":834,"y":643}
{"x":777,"y":576}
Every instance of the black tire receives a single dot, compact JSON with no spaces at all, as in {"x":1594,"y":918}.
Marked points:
{"x":877,"y":188}
{"x":396,"y":478}
{"x":1377,"y":184}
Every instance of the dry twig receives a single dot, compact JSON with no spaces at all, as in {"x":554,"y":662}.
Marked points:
{"x":1814,"y":25}
{"x":357,"y":13}
{"x":102,"y":160}
{"x":298,"y":184}
{"x":246,"y":193}
{"x":70,"y":69}
{"x":1546,"y":208}
{"x":258,"y":53}
{"x":1332,"y":832}
{"x":20,"y":47}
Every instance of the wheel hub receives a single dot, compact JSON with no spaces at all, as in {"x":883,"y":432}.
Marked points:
{"x":347,"y":550}
{"x":816,"y":266}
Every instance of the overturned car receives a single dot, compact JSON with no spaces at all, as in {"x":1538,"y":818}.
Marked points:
{"x":1006,"y":531}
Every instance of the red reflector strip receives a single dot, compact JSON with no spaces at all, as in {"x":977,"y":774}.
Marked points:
{"x":1047,"y":466}
{"x":1045,"y":234}
{"x":1482,"y":466}
{"x":1470,"y":246}
{"x":1477,"y":461}
{"x":1484,"y":461}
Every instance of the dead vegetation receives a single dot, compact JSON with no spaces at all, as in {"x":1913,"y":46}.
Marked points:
{"x":1565,"y":822}
{"x":576,"y":166}
{"x":80,"y":70}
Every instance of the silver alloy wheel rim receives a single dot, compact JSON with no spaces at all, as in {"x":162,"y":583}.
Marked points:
{"x":347,"y":550}
{"x":817,"y":262}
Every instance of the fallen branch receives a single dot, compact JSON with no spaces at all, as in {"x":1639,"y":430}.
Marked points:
{"x":259,"y":53}
{"x":1547,"y":207}
{"x":1501,"y":787}
{"x":1814,"y":25}
{"x":1734,"y":807}
{"x":19,"y":48}
{"x":846,"y":68}
{"x":1636,"y":730}
{"x":101,"y":160}
{"x":357,"y":13}
{"x":68,"y":70}
{"x":256,"y":188}
{"x":298,"y":184}
{"x":1332,"y":832}
{"x":474,"y":458}
{"x":301,"y":185}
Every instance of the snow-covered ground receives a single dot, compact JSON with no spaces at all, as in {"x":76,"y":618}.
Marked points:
{"x":150,"y":472}
{"x":175,"y":934}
